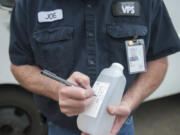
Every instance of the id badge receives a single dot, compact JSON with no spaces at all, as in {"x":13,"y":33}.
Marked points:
{"x":136,"y":56}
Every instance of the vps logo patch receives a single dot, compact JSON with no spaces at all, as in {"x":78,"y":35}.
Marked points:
{"x":130,"y":8}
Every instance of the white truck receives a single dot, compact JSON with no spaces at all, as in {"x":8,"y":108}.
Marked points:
{"x":18,"y":115}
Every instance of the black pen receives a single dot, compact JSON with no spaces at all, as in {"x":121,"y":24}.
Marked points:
{"x":57,"y":78}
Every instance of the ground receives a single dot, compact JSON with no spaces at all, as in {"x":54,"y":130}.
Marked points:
{"x":159,"y":117}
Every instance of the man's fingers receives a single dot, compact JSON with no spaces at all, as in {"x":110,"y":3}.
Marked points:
{"x":117,"y":125}
{"x":71,"y":103}
{"x":71,"y":112}
{"x":119,"y":110}
{"x":76,"y":93}
{"x":72,"y":107}
{"x":81,"y":79}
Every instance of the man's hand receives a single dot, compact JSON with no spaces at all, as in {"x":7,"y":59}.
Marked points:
{"x":121,"y":112}
{"x":73,"y":100}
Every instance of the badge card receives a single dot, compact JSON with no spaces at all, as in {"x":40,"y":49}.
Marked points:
{"x":136,"y":56}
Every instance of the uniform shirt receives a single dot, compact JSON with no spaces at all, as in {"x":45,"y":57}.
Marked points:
{"x":64,"y":36}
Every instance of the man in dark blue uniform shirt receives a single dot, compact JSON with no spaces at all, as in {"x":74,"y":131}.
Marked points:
{"x":76,"y":39}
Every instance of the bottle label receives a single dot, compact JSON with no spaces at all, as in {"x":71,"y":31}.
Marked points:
{"x":100,"y":90}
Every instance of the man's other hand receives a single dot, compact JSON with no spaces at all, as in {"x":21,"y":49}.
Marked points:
{"x":121,"y":112}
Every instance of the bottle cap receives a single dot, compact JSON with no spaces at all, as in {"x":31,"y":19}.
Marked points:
{"x":118,"y":65}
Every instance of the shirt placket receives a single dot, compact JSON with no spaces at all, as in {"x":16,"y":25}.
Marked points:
{"x":90,"y":23}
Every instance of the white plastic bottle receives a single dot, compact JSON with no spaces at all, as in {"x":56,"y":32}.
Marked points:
{"x":108,"y":88}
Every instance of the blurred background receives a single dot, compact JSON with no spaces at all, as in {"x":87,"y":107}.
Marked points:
{"x":158,"y":115}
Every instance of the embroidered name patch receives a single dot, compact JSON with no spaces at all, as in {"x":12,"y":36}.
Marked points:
{"x":50,"y":16}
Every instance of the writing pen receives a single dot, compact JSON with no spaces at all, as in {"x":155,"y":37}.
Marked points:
{"x":57,"y":78}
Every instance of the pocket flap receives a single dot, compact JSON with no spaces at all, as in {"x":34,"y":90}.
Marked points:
{"x":54,"y":34}
{"x":126,"y":30}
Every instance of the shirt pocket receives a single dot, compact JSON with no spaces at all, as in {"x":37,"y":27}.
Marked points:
{"x":117,"y":34}
{"x":56,"y":49}
{"x":124,"y":31}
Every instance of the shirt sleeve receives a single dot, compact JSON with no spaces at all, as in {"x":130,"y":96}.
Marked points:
{"x":20,"y":51}
{"x":164,"y":39}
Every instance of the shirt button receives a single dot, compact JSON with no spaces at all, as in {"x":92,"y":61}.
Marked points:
{"x":91,"y":62}
{"x":90,"y":34}
{"x":89,"y":5}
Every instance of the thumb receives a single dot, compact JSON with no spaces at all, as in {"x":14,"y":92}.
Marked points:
{"x":118,"y":110}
